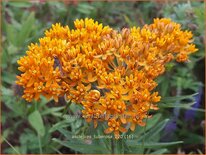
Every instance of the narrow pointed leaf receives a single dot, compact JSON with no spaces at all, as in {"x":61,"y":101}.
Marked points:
{"x":153,"y":145}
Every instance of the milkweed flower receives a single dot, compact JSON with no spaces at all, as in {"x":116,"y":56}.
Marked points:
{"x":109,"y":73}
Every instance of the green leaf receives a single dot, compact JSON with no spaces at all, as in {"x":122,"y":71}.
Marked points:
{"x":6,"y":91}
{"x":151,"y":133}
{"x":77,"y":123}
{"x":105,"y":142}
{"x":66,"y":133}
{"x":200,"y":16}
{"x":5,"y":134}
{"x":85,"y":8}
{"x":36,"y":122}
{"x":151,"y":122}
{"x":62,"y":124}
{"x":11,"y":34}
{"x":20,"y":4}
{"x":11,"y":49}
{"x":67,"y":107}
{"x":164,"y":86}
{"x":173,"y":105}
{"x":181,"y":105}
{"x":52,"y":110}
{"x":194,"y":138}
{"x":17,"y":107}
{"x":44,"y":101}
{"x":30,"y":139}
{"x":26,"y":29}
{"x":8,"y":77}
{"x":118,"y":147}
{"x":195,"y":109}
{"x":154,"y":131}
{"x":82,"y":147}
{"x":4,"y":59}
{"x":160,"y":151}
{"x":153,"y":145}
{"x":178,"y":98}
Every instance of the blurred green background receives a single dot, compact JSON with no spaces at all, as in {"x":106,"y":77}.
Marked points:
{"x":31,"y":127}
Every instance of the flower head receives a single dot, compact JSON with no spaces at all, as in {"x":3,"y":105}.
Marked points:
{"x":109,"y":73}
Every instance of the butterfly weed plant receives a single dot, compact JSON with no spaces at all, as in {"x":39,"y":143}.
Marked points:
{"x":108,"y":78}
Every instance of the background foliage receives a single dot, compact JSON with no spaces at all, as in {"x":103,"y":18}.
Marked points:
{"x":40,"y":127}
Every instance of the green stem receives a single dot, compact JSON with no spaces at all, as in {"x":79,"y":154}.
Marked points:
{"x":40,"y":146}
{"x":66,"y":108}
{"x":53,"y":148}
{"x":145,"y":130}
{"x":10,"y":145}
{"x":112,"y":145}
{"x":144,"y":137}
{"x":35,"y":105}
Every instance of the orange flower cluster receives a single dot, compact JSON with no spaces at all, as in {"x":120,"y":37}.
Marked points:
{"x":110,"y":73}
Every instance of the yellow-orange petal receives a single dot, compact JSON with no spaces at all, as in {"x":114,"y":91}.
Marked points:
{"x":101,"y":87}
{"x":123,"y":120}
{"x":36,"y":97}
{"x":91,"y":77}
{"x":55,"y":98}
{"x":107,"y":116}
{"x":95,"y":123}
{"x":88,"y":87}
{"x":88,"y":119}
{"x":116,"y":134}
{"x":122,"y":129}
{"x":31,"y":82}
{"x":108,"y":130}
{"x":141,"y":123}
{"x":48,"y":83}
{"x":48,"y":96}
{"x":124,"y":91}
{"x":126,"y":98}
{"x":132,"y":126}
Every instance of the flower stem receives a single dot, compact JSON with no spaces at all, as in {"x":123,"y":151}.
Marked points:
{"x":113,"y":145}
{"x":40,"y":146}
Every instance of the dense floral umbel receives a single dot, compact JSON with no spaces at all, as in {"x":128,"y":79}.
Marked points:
{"x":111,"y":74}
